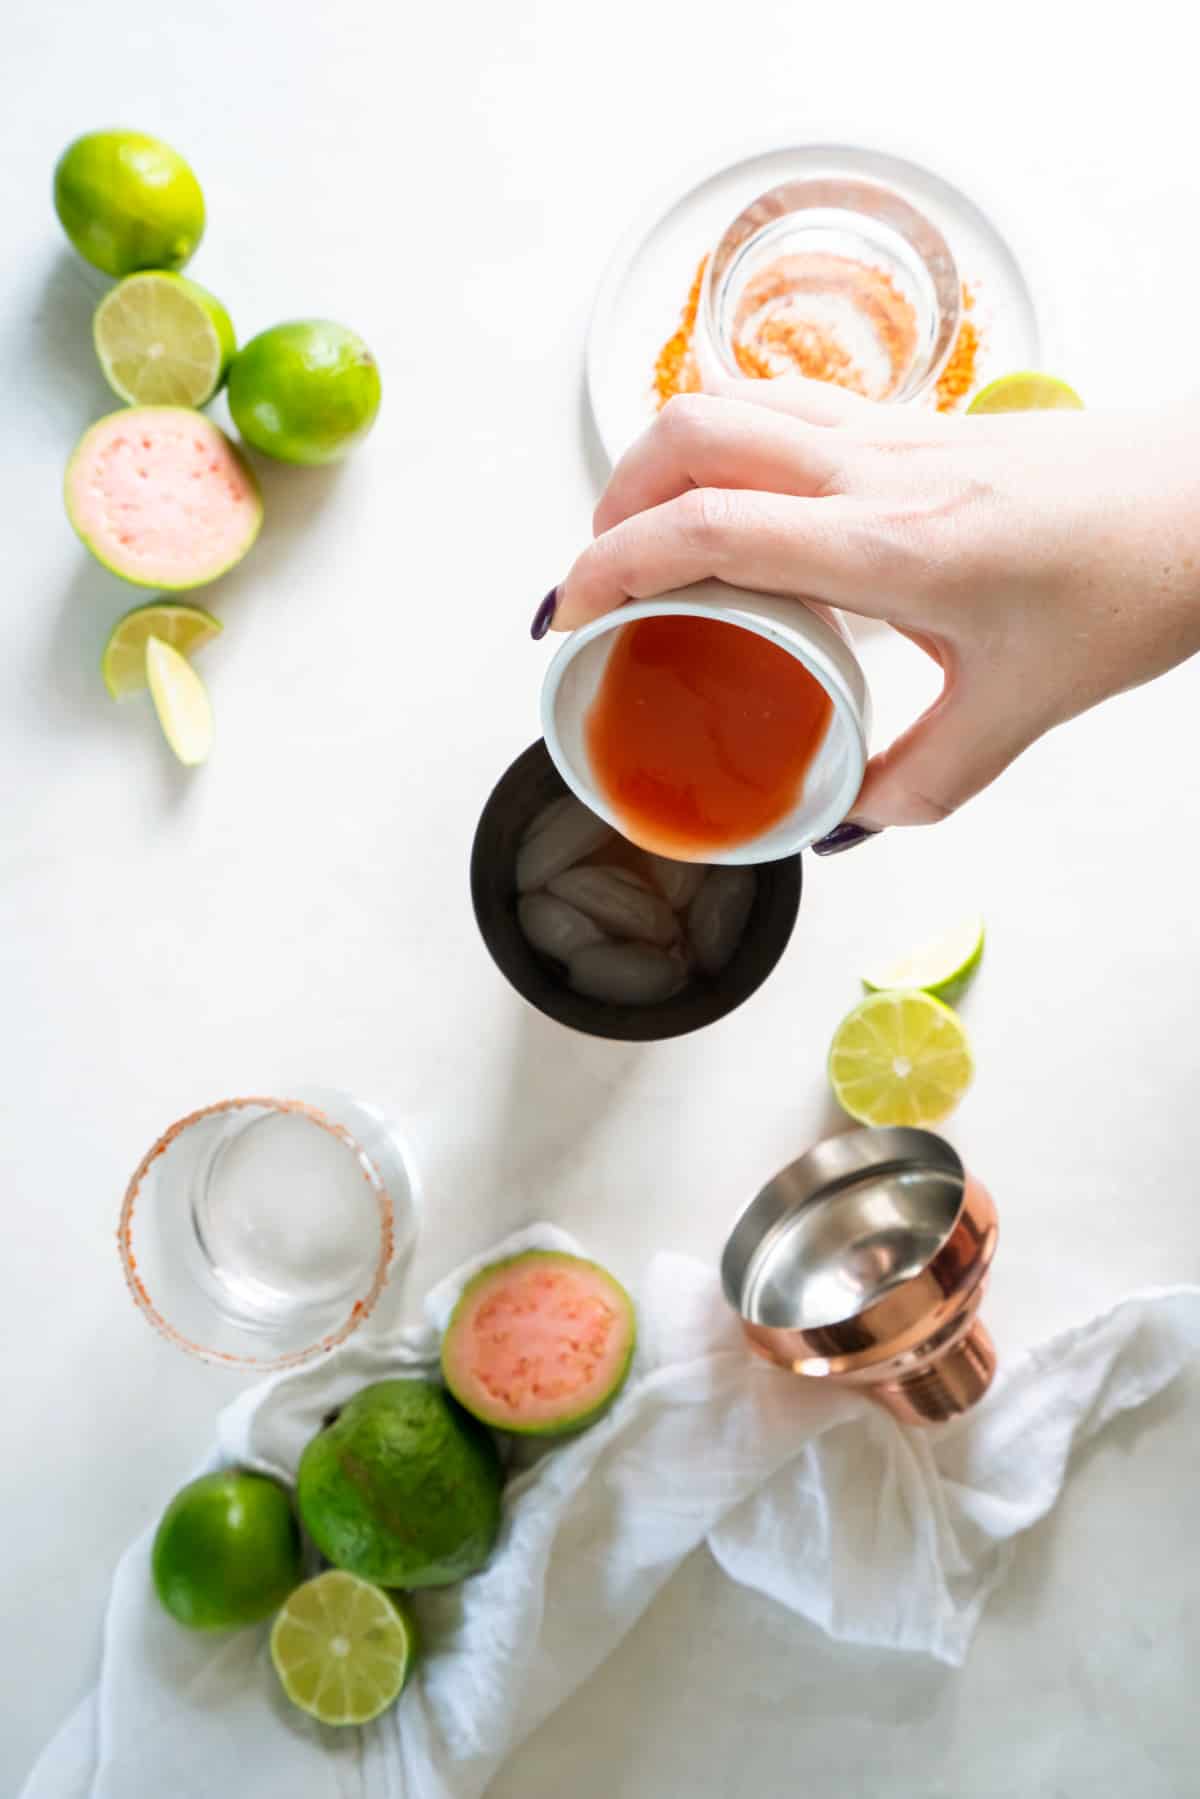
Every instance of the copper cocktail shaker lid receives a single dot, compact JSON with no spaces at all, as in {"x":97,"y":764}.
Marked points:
{"x":864,"y":1262}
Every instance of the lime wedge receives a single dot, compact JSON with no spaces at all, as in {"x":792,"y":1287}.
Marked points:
{"x":900,"y":1058}
{"x":163,"y":340}
{"x":1026,"y":391}
{"x":343,"y":1648}
{"x":180,"y":700}
{"x":943,"y":967}
{"x":123,"y":663}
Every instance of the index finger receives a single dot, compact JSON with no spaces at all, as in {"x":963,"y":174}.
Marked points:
{"x":699,"y":440}
{"x":771,"y":542}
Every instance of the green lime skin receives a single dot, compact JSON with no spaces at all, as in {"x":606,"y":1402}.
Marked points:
{"x":304,"y":392}
{"x":227,"y":1551}
{"x":128,"y":202}
{"x":403,"y":1488}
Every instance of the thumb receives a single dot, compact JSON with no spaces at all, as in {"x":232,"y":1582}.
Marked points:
{"x":950,"y":754}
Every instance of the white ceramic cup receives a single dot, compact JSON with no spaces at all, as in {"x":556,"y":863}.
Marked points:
{"x":813,"y":634}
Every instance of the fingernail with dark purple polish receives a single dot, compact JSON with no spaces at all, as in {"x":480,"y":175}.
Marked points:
{"x":543,"y":618}
{"x":843,"y":838}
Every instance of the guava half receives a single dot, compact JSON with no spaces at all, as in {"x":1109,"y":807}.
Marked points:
{"x":540,"y":1343}
{"x":162,"y":498}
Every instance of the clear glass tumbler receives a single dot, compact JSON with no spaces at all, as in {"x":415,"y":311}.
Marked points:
{"x":836,"y":278}
{"x":259,"y":1232}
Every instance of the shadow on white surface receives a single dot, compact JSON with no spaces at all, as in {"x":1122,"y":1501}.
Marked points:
{"x":832,"y":1121}
{"x":74,"y":692}
{"x":753,"y":1689}
{"x":1017,"y":1602}
{"x":64,"y":354}
{"x":594,"y":454}
{"x":559,"y":1089}
{"x":91,"y":604}
{"x":293,"y":498}
{"x":558,"y":1094}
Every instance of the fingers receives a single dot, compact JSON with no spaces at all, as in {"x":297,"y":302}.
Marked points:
{"x":952,"y":752}
{"x":773,"y":542}
{"x":815,"y":402}
{"x":821,"y":403}
{"x":702,"y":441}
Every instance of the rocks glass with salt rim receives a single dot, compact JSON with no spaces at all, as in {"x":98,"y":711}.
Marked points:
{"x":259,"y":1232}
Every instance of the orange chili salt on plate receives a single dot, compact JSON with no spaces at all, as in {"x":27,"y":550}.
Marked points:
{"x":772,"y":334}
{"x":776,"y":342}
{"x":675,"y":370}
{"x":958,"y":377}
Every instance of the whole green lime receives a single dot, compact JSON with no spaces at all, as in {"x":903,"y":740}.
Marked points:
{"x":128,"y":202}
{"x":227,"y":1551}
{"x":304,"y":392}
{"x":403,"y":1488}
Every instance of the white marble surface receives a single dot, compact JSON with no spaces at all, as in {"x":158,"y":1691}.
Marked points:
{"x":449,"y":182}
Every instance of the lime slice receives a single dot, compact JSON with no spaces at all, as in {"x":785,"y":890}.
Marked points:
{"x":163,"y":340}
{"x":123,"y":663}
{"x":1026,"y":391}
{"x":900,"y":1058}
{"x":180,"y":700}
{"x":943,"y":967}
{"x":343,"y":1648}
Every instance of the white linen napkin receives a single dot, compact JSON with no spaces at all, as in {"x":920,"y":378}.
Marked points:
{"x":879,"y":1534}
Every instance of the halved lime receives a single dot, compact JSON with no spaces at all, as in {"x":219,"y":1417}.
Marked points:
{"x":943,"y":967}
{"x":181,"y":701}
{"x":1026,"y":391}
{"x":343,"y":1648}
{"x":900,"y":1058}
{"x":185,"y":628}
{"x":163,"y":340}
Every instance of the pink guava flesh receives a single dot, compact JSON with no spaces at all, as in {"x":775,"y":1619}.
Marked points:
{"x":540,"y":1343}
{"x":161,"y":496}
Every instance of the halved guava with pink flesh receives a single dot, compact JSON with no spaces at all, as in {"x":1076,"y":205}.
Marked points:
{"x":162,"y":498}
{"x":540,"y":1343}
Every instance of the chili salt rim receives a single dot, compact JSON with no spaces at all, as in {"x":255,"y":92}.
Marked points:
{"x":361,"y":1309}
{"x":978,"y":200}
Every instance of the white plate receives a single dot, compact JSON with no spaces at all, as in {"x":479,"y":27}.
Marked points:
{"x":650,"y":275}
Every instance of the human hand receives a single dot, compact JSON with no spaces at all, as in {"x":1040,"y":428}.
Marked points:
{"x":1044,"y":560}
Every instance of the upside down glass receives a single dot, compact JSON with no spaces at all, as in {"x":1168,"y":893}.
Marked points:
{"x":835,"y":277}
{"x":259,"y":1232}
